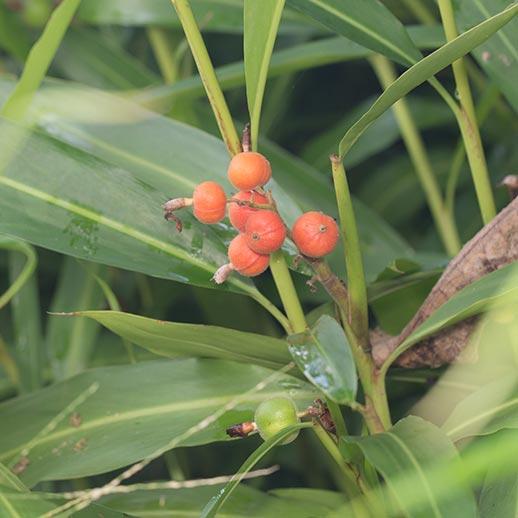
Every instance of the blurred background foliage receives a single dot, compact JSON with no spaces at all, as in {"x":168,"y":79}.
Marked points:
{"x":319,"y":85}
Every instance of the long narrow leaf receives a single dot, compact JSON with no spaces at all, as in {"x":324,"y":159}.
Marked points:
{"x":174,"y":339}
{"x":261,"y":22}
{"x":215,"y":504}
{"x":424,"y":70}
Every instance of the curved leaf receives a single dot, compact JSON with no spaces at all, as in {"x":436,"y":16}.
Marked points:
{"x":136,"y":410}
{"x":488,"y":409}
{"x":16,"y":245}
{"x":497,"y":288}
{"x":214,"y":505}
{"x":424,"y":70}
{"x":499,"y":495}
{"x":408,"y":450}
{"x":499,"y":55}
{"x":367,"y":22}
{"x":174,"y":339}
{"x":87,"y":208}
{"x":261,"y":23}
{"x":218,"y":15}
{"x":298,"y":57}
{"x":244,"y":501}
{"x":39,"y":59}
{"x":324,"y":355}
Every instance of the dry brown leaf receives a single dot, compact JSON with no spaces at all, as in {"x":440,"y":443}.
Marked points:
{"x":495,"y":246}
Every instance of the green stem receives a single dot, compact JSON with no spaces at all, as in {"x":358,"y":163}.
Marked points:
{"x":290,"y":299}
{"x":420,"y":159}
{"x":351,"y":485}
{"x":274,"y":311}
{"x":468,"y":123}
{"x":489,"y":98}
{"x":208,"y":76}
{"x":357,"y":316}
{"x":164,"y":53}
{"x":420,"y":11}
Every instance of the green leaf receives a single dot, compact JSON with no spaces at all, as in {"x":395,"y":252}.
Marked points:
{"x":218,"y":15}
{"x":93,"y":58}
{"x":499,"y":55}
{"x":367,"y":22}
{"x":408,"y":450}
{"x":497,"y":288}
{"x":14,"y":504}
{"x":69,"y":342}
{"x":9,"y":480}
{"x":31,"y":261}
{"x":87,"y":208}
{"x":136,"y":410}
{"x":26,"y":321}
{"x":384,"y":132}
{"x":298,"y":57}
{"x":39,"y":59}
{"x":244,"y":501}
{"x":174,"y":339}
{"x":214,"y":505}
{"x":261,"y":23}
{"x":13,"y":38}
{"x":424,"y":70}
{"x":499,"y":496}
{"x":324,"y":355}
{"x":490,"y":408}
{"x":172,"y":158}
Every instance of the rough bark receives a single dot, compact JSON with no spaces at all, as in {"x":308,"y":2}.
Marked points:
{"x":495,"y":246}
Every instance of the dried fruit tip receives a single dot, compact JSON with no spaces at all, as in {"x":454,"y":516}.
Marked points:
{"x":242,"y":429}
{"x":222,"y":273}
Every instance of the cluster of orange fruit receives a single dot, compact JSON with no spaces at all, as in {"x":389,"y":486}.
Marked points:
{"x":253,"y":213}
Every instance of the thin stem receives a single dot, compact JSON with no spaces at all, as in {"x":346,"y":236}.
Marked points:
{"x":208,"y":76}
{"x":338,"y":418}
{"x":357,"y":310}
{"x":287,"y":292}
{"x":489,"y":98}
{"x":274,"y":311}
{"x":164,"y":53}
{"x":468,"y":123}
{"x":351,"y":486}
{"x":443,"y":221}
{"x":420,"y":11}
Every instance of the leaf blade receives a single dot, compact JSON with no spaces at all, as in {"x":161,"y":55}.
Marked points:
{"x":174,"y":339}
{"x":424,"y":70}
{"x":261,"y":23}
{"x":324,"y":355}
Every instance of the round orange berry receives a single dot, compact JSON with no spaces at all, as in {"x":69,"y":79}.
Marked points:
{"x":239,"y":214}
{"x":209,"y":202}
{"x":315,"y":234}
{"x":249,"y":170}
{"x":244,"y":259}
{"x":265,"y":232}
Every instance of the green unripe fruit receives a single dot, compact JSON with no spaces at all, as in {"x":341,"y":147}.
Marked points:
{"x":36,"y":12}
{"x":275,"y":415}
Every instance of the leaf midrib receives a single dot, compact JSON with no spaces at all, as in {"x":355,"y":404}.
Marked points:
{"x":374,"y":35}
{"x":229,"y":354}
{"x":483,"y":415}
{"x":414,"y":462}
{"x":500,"y":34}
{"x":159,"y":410}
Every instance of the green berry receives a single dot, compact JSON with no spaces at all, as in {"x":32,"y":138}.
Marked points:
{"x":275,"y":415}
